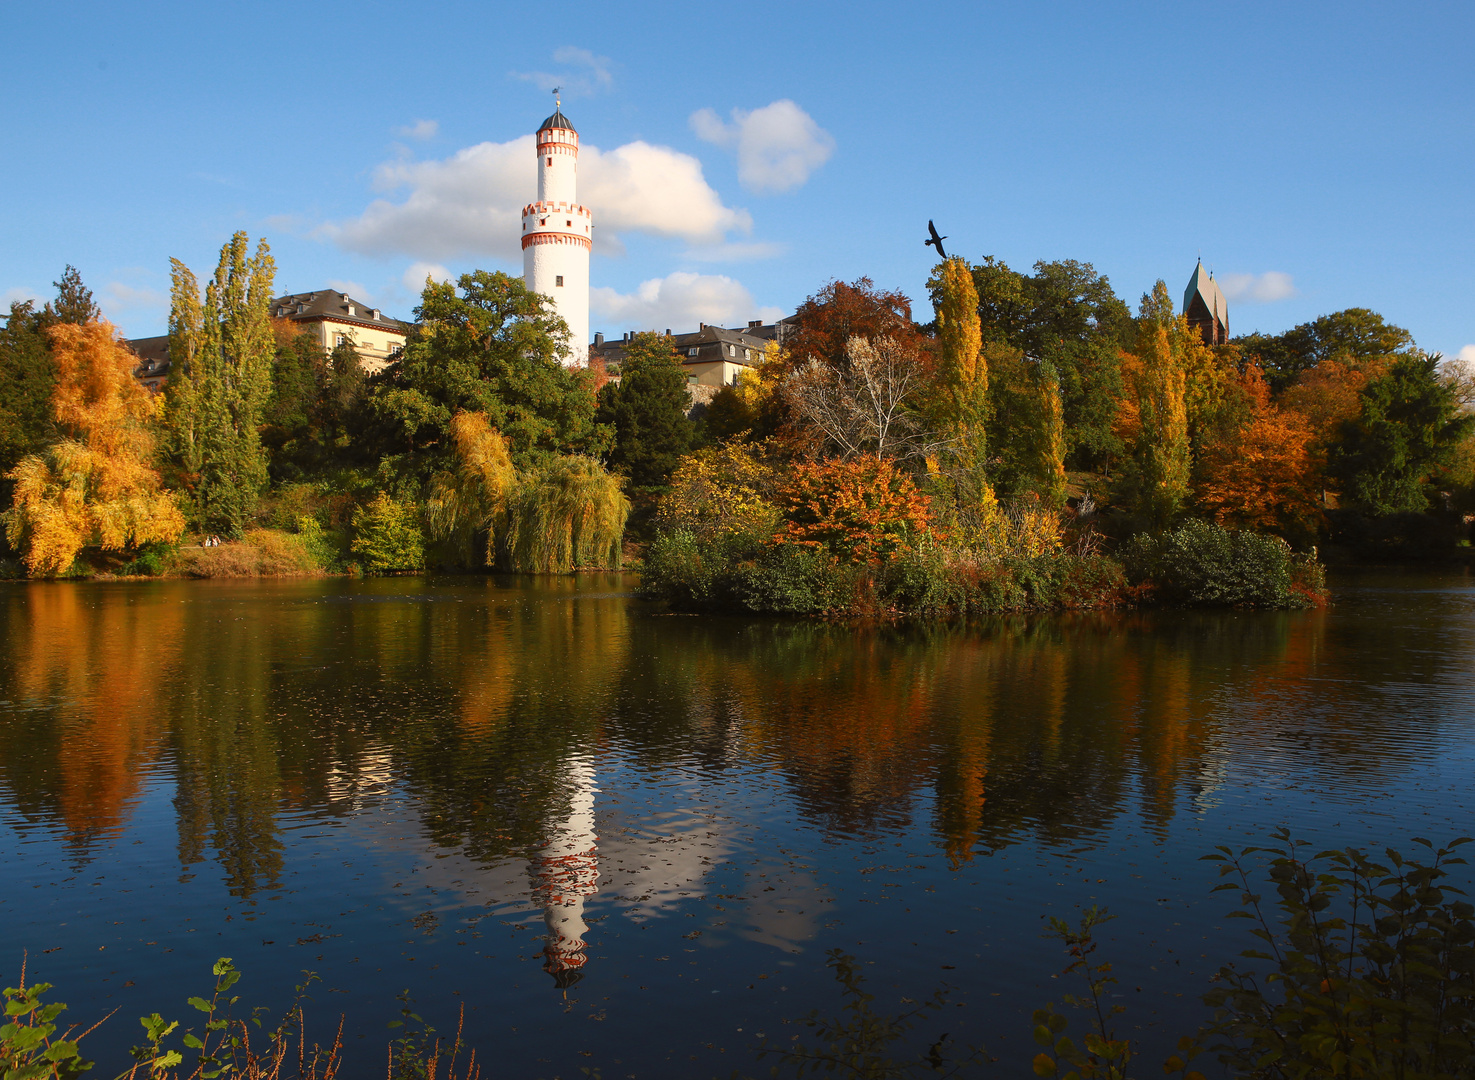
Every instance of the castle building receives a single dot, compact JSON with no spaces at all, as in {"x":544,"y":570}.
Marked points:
{"x":558,"y":233}
{"x":330,"y":316}
{"x":1206,"y":308}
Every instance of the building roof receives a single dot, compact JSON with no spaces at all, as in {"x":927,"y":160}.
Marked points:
{"x":706,"y":345}
{"x":332,"y":304}
{"x":557,"y":120}
{"x":1204,"y":287}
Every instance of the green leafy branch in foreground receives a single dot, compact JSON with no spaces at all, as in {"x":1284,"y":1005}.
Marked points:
{"x":27,"y":1049}
{"x":1372,"y":967}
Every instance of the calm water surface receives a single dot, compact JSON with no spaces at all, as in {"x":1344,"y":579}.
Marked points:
{"x":627,"y":840}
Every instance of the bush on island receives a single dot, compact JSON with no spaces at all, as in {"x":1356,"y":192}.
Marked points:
{"x":1200,"y":564}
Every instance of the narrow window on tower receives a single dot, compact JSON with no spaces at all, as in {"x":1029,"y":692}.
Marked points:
{"x":558,"y":280}
{"x":550,"y":161}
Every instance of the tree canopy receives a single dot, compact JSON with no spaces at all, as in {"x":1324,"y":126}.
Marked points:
{"x":647,"y":410}
{"x":1350,"y":337}
{"x":486,"y":344}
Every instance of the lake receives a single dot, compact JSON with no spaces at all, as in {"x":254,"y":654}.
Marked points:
{"x":627,"y":840}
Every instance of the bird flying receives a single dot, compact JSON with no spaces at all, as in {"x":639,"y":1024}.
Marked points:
{"x":936,"y":241}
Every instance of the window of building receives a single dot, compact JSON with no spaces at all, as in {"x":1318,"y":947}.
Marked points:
{"x":692,"y":351}
{"x":550,"y":161}
{"x":558,"y":280}
{"x":340,"y":339}
{"x":567,"y":222}
{"x":732,"y":350}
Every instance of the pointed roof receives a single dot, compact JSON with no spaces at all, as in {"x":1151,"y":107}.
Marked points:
{"x":1204,"y":287}
{"x":557,"y":120}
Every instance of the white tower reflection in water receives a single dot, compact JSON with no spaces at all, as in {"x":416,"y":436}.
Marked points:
{"x":564,"y":873}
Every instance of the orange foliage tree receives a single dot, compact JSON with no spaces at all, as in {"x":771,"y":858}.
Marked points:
{"x":862,"y":510}
{"x":1264,"y":475}
{"x":96,"y":486}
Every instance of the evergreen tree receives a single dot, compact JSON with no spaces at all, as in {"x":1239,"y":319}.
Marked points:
{"x":226,"y":348}
{"x":73,"y":303}
{"x":27,"y":378}
{"x":344,"y":394}
{"x":647,"y":409}
{"x":299,"y":375}
{"x":1409,"y":426}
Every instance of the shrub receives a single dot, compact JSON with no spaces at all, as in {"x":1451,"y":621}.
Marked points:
{"x":151,"y":560}
{"x":1205,"y":565}
{"x":862,"y":510}
{"x":387,"y":536}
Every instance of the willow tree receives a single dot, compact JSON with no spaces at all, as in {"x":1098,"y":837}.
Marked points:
{"x":221,"y":355}
{"x":559,"y":516}
{"x":94,"y":487}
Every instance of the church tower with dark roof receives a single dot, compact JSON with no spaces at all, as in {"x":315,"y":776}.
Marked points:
{"x":1206,"y":308}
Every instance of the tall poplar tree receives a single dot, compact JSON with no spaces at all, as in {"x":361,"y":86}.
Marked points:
{"x":221,"y":354}
{"x":962,"y":408}
{"x":1160,"y":470}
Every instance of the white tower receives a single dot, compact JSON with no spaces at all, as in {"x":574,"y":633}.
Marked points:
{"x":557,"y":233}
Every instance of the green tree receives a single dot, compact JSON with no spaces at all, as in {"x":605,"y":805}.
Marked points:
{"x":1351,"y":337}
{"x":387,"y":536}
{"x":299,"y":375}
{"x":344,"y":394}
{"x":486,"y":344}
{"x":647,"y":409}
{"x":1409,"y":426}
{"x":73,"y":303}
{"x":1065,"y":313}
{"x":221,"y":355}
{"x":27,"y":378}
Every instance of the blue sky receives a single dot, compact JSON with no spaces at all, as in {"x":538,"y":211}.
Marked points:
{"x":1318,"y":156}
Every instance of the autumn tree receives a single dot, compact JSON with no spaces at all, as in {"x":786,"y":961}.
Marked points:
{"x":961,"y":408}
{"x":95,"y":486}
{"x":1156,"y":479}
{"x":1262,"y":474}
{"x":647,"y":410}
{"x":861,"y":510}
{"x":221,"y":354}
{"x":826,"y":322}
{"x":1408,"y":426}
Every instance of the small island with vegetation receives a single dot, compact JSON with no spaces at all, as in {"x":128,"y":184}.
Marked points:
{"x":1037,"y":446}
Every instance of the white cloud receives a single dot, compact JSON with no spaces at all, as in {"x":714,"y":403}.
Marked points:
{"x":18,"y":295}
{"x":471,"y":203}
{"x":581,"y":74}
{"x":1467,"y":356}
{"x":414,"y":278}
{"x":777,"y":146}
{"x":420,"y":130}
{"x":121,"y":297}
{"x":679,"y":301}
{"x":1263,"y":288}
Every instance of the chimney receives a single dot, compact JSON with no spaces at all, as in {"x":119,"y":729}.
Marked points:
{"x":754,"y":323}
{"x":668,"y":331}
{"x":599,"y":340}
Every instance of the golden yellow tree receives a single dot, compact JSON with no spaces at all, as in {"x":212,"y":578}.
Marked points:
{"x":1157,"y":478}
{"x":95,"y":487}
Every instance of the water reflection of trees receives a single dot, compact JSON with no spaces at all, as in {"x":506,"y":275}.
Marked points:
{"x":471,"y":698}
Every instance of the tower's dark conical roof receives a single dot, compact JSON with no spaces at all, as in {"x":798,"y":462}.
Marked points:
{"x":557,"y":120}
